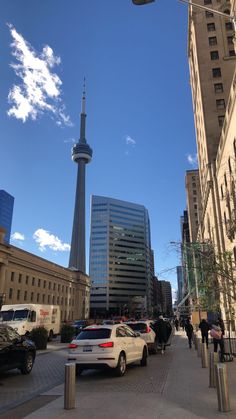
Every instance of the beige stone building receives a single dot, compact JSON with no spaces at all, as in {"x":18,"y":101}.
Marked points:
{"x":26,"y":278}
{"x":212,"y":74}
{"x":194,"y":205}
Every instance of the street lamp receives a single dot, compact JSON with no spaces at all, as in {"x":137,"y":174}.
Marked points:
{"x":231,"y":17}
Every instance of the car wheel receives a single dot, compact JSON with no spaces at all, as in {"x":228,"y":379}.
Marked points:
{"x":143,"y":361}
{"x":28,"y":364}
{"x":78,"y":370}
{"x":121,"y":365}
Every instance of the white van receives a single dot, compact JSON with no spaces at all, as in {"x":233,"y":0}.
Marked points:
{"x":25,"y":317}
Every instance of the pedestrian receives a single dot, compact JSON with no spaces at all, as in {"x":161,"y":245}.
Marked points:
{"x":216,"y":334}
{"x":182,"y":323}
{"x":189,"y":332}
{"x":204,"y":327}
{"x":160,"y":328}
{"x":177,"y":324}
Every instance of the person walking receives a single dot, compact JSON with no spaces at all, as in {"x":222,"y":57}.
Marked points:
{"x":204,"y":327}
{"x":177,"y":324}
{"x":216,"y":334}
{"x":189,"y":332}
{"x":160,"y":328}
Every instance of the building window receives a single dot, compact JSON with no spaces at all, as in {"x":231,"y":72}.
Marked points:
{"x":44,"y":284}
{"x":12,"y":276}
{"x":18,"y":295}
{"x":230,"y":40}
{"x":212,"y":41}
{"x":195,"y":206}
{"x":214,"y":55}
{"x":54,"y":286}
{"x":49,"y":299}
{"x":216,"y":72}
{"x":209,"y":14}
{"x":43,"y":298}
{"x":27,"y":279}
{"x":25,"y":295}
{"x":221,"y":119}
{"x":10,"y":293}
{"x":32,"y":296}
{"x":58,"y":287}
{"x":49,"y":285}
{"x":39,"y":282}
{"x":218,"y":87}
{"x":57,"y":300}
{"x":37,"y":297}
{"x":33,"y":280}
{"x":211,"y":27}
{"x":229,"y":26}
{"x":220,"y":104}
{"x":207,"y":1}
{"x":231,"y":53}
{"x":53,"y":299}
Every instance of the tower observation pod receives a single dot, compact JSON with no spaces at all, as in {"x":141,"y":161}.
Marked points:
{"x":81,"y":154}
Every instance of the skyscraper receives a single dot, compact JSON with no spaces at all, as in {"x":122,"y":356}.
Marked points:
{"x":6,"y":212}
{"x":120,"y":257}
{"x":81,"y":154}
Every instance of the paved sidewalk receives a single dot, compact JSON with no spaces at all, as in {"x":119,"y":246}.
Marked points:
{"x":184,"y":395}
{"x":52,"y":346}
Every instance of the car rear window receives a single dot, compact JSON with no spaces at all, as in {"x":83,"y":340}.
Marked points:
{"x":94,"y":334}
{"x":138,"y":327}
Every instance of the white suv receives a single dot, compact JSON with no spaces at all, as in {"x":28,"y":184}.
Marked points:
{"x":144,"y":327}
{"x":112,"y":346}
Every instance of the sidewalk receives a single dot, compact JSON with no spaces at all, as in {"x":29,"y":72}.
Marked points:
{"x":184,"y":395}
{"x":52,"y":346}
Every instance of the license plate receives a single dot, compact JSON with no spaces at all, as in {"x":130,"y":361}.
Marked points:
{"x":87,"y":349}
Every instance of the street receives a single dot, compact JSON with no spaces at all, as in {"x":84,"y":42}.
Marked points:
{"x":172,"y":385}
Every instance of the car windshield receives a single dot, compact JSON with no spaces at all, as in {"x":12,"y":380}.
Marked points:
{"x":94,"y":334}
{"x":6,"y":316}
{"x":11,"y":315}
{"x":138,"y":327}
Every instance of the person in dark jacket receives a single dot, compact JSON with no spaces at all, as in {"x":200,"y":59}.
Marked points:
{"x":189,"y":332}
{"x":204,"y":327}
{"x":177,"y":324}
{"x":218,"y":339}
{"x":160,"y":328}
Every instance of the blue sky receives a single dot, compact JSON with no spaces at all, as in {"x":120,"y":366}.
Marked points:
{"x":139,"y":115}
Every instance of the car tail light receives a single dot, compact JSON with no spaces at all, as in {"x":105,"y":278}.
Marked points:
{"x":148,"y":330}
{"x":106,"y":345}
{"x":72,"y":346}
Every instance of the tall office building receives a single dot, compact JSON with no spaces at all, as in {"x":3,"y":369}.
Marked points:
{"x":120,"y":257}
{"x":6,"y":213}
{"x":165,"y":298}
{"x":81,"y":154}
{"x":180,"y":282}
{"x":212,"y":63}
{"x":194,"y":204}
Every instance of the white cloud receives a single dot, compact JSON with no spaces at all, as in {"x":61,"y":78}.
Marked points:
{"x":17,"y":236}
{"x":40,"y":89}
{"x":130,"y":141}
{"x":193,"y":160}
{"x":70,"y":140}
{"x":45,"y":239}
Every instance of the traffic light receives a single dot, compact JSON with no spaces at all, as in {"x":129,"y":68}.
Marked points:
{"x":141,"y":2}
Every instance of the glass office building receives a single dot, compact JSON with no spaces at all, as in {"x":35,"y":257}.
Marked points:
{"x":6,"y":213}
{"x":120,"y":257}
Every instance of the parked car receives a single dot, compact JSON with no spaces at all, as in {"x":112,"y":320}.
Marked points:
{"x":146,"y":332}
{"x":107,"y":346}
{"x":15,"y":351}
{"x":79,"y":325}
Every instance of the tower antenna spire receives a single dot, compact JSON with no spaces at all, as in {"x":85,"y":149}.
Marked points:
{"x":84,"y":97}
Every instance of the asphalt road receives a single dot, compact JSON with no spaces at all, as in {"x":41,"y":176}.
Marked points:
{"x":16,"y":388}
{"x":48,"y":372}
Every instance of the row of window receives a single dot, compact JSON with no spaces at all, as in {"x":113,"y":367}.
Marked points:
{"x":38,"y":282}
{"x":211,"y":26}
{"x":39,"y":298}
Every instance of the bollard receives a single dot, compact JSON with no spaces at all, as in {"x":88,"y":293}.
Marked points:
{"x":204,"y":356}
{"x":199,"y":347}
{"x":213,"y":358}
{"x":222,"y":388}
{"x":69,"y":389}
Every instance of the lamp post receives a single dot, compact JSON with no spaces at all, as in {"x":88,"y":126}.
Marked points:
{"x":231,"y":17}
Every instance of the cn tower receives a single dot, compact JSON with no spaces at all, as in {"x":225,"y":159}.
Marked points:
{"x":81,"y":154}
